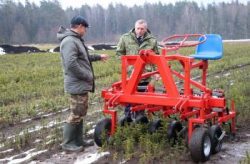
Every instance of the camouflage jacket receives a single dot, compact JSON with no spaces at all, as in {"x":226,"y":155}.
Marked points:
{"x":128,"y":44}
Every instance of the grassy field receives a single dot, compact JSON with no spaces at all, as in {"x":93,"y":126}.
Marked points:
{"x":33,"y":83}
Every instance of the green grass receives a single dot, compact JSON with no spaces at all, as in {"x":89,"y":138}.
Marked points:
{"x":33,"y":83}
{"x":246,"y":160}
{"x":134,"y":142}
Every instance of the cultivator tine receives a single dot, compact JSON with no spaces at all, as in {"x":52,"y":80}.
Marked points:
{"x":222,"y":136}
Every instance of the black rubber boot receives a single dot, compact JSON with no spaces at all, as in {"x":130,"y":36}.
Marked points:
{"x":79,"y":136}
{"x":69,"y":138}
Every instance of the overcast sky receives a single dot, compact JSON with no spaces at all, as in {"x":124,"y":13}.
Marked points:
{"x":105,"y":3}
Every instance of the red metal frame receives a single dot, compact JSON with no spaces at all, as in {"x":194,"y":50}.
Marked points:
{"x":197,"y":109}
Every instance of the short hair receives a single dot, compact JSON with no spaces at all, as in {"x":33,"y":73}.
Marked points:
{"x":141,"y":21}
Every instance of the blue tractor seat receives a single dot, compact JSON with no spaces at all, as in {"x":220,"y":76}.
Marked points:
{"x":211,"y":49}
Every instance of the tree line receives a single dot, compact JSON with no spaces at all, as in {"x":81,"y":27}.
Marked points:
{"x":32,"y":23}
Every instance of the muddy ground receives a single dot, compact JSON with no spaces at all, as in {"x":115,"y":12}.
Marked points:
{"x":233,"y":150}
{"x":37,"y":141}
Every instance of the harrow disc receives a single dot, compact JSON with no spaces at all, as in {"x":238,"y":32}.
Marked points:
{"x":215,"y":132}
{"x":154,"y":125}
{"x":125,"y":120}
{"x":102,"y":131}
{"x":173,"y":129}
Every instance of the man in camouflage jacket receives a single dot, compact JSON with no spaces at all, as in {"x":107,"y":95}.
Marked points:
{"x":131,"y":43}
{"x":137,"y":39}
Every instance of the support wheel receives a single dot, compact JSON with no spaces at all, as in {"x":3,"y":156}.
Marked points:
{"x":200,"y":145}
{"x":154,"y":126}
{"x":215,"y":133}
{"x":102,"y":131}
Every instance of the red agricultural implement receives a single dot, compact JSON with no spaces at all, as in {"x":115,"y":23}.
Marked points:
{"x":202,"y":109}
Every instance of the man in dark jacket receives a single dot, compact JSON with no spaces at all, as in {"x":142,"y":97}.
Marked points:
{"x":78,"y":80}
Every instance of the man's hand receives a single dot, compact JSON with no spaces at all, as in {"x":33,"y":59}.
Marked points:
{"x":104,"y":57}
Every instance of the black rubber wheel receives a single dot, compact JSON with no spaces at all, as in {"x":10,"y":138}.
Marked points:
{"x":102,"y":131}
{"x":125,"y":120}
{"x":173,"y":129}
{"x":141,"y":119}
{"x":154,"y":126}
{"x":200,"y":145}
{"x":186,"y":135}
{"x":215,"y":133}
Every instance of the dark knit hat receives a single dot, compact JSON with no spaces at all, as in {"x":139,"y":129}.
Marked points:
{"x":77,"y":20}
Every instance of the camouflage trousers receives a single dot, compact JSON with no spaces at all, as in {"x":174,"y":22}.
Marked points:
{"x":78,"y":108}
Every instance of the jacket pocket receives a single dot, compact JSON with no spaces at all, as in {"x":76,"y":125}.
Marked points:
{"x":132,"y":49}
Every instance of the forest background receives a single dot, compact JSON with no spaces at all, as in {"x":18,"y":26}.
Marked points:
{"x":31,"y":23}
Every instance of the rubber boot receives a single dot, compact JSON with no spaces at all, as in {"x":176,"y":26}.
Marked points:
{"x":69,"y":138}
{"x":79,"y":136}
